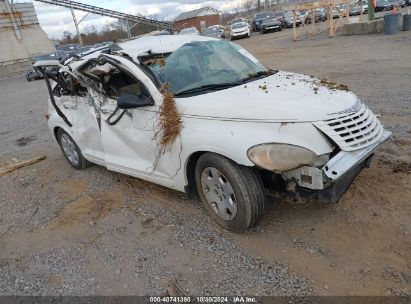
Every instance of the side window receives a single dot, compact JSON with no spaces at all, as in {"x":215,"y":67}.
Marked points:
{"x":116,"y":82}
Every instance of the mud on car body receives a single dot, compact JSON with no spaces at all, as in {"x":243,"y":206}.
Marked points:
{"x":245,"y":128}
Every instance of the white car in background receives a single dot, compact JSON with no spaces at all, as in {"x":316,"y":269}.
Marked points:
{"x":245,"y":128}
{"x":239,"y":30}
{"x":190,"y":31}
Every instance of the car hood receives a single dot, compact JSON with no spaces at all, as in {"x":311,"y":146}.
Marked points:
{"x":283,"y":96}
{"x":271,"y":23}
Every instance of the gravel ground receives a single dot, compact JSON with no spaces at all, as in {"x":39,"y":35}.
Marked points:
{"x":95,"y":232}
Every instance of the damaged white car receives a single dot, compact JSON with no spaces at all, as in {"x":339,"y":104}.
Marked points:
{"x":237,"y":128}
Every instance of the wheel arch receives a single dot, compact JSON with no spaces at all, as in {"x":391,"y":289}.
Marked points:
{"x":190,"y":165}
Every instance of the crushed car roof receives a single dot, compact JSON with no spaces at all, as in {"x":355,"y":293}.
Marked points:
{"x":158,"y":44}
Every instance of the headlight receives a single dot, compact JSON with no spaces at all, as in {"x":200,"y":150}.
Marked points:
{"x":283,"y":157}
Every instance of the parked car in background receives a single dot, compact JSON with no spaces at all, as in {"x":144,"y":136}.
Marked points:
{"x":84,"y":49}
{"x":245,"y":128}
{"x":358,"y":7}
{"x":270,"y":24}
{"x":220,"y":28}
{"x":239,"y":30}
{"x":288,"y":19}
{"x":304,"y":15}
{"x":399,"y":3}
{"x":321,"y":14}
{"x":190,"y":31}
{"x":32,"y":73}
{"x":237,"y":20}
{"x":338,"y":10}
{"x":69,"y":48}
{"x":211,"y":32}
{"x":280,"y":17}
{"x":383,"y":5}
{"x":258,"y":18}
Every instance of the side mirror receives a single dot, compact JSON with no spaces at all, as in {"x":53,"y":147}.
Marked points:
{"x":131,"y":101}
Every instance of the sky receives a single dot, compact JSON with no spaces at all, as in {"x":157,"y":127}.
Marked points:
{"x":55,"y":20}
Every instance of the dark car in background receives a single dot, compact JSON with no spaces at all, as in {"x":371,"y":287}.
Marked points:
{"x":69,"y":48}
{"x":258,"y":18}
{"x":384,"y":5}
{"x":288,"y":19}
{"x":270,"y":24}
{"x":211,"y":32}
{"x":280,"y":17}
{"x":32,"y":73}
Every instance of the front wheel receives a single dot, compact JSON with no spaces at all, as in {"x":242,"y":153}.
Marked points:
{"x":71,"y":151}
{"x":233,"y":194}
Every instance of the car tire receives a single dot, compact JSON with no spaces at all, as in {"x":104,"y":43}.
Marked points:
{"x":28,"y":79}
{"x":71,"y":151}
{"x":238,"y":189}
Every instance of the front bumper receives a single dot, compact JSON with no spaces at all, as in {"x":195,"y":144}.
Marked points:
{"x":240,"y":34}
{"x":331,"y":181}
{"x":271,"y":27}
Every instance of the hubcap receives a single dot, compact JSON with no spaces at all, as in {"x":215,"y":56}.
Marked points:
{"x":69,"y":149}
{"x":219,"y":193}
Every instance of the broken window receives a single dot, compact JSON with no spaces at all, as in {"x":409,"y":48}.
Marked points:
{"x":115,"y":81}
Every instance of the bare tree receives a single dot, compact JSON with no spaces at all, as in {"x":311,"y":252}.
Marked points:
{"x":248,"y":6}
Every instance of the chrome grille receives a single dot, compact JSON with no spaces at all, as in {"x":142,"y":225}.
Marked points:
{"x":353,"y":131}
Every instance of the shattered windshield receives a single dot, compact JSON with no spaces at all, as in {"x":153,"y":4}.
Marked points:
{"x":206,"y":64}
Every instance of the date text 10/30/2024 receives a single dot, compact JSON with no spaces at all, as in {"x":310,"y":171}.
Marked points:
{"x":206,"y":299}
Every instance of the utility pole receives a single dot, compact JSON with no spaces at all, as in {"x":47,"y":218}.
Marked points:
{"x":258,"y":6}
{"x":76,"y":24}
{"x":370,"y":10}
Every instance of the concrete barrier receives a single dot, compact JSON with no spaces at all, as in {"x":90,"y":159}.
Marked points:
{"x":14,"y":68}
{"x":364,"y":27}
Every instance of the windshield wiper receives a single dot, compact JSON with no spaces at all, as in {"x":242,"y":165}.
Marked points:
{"x":209,"y":87}
{"x":259,"y":74}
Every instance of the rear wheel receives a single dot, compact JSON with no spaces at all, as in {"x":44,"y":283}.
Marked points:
{"x":71,"y":151}
{"x":233,"y":194}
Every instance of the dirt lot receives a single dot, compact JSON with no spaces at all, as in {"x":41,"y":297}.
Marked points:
{"x":97,"y":232}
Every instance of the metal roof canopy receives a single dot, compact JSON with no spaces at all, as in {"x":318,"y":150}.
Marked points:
{"x":109,"y":13}
{"x":194,"y":13}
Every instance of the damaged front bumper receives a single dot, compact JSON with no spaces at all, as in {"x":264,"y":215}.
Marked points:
{"x":330,"y":182}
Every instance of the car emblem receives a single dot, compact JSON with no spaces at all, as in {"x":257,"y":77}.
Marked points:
{"x":354,"y":108}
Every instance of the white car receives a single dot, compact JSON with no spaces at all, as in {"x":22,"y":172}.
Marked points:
{"x":244,"y":128}
{"x":190,"y":31}
{"x":239,"y":30}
